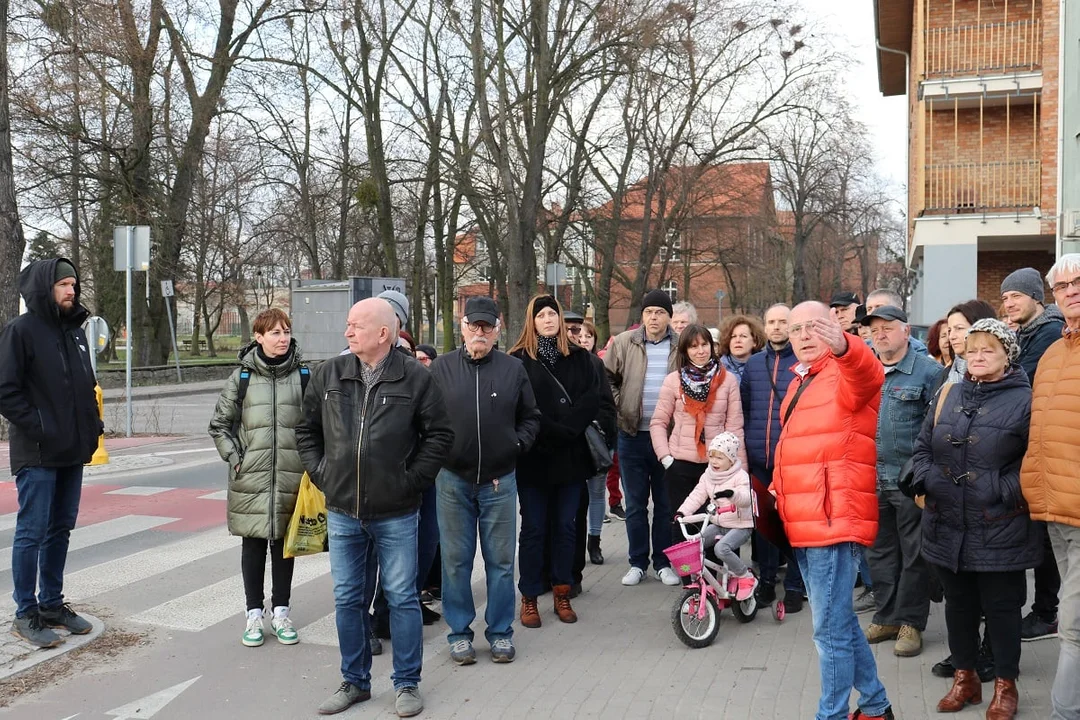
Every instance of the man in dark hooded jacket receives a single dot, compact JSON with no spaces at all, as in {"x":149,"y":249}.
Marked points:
{"x":47,"y":396}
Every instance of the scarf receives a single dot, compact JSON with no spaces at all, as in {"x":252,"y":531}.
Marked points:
{"x":547,"y":349}
{"x":699,"y":386}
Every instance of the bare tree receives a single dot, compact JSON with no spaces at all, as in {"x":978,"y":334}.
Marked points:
{"x":12,"y":241}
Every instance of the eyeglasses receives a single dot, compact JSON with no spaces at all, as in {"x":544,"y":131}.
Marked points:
{"x":573,"y":329}
{"x":1064,"y":286}
{"x":798,"y":329}
{"x":480,"y":327}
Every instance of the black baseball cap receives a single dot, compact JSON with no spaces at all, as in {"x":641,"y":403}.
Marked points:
{"x":885,"y":312}
{"x":843,"y":299}
{"x":482,"y":309}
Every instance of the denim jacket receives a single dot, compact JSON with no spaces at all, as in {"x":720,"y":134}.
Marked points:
{"x":909,"y":387}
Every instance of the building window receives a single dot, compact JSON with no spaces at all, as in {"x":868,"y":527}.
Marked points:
{"x":672,"y":249}
{"x":672,"y":289}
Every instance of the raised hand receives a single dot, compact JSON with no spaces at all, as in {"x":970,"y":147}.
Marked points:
{"x":830,"y":333}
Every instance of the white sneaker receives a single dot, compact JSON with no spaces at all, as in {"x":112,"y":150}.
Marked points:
{"x":633,"y":576}
{"x":283,"y":626}
{"x":668,"y":576}
{"x":253,"y":631}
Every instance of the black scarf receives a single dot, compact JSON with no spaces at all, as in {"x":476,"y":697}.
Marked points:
{"x":547,"y":349}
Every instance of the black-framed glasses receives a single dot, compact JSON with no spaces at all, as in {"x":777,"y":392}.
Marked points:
{"x":481,"y":327}
{"x":1061,"y":287}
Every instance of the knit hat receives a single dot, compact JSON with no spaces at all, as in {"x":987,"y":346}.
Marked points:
{"x":428,"y":350}
{"x":1025,"y":280}
{"x":727,"y":443}
{"x":400,"y":303}
{"x":545,"y":301}
{"x":1001,"y":331}
{"x":657,"y":298}
{"x":63,"y":270}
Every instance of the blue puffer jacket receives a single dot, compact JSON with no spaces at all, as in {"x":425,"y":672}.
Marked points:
{"x":764,"y":385}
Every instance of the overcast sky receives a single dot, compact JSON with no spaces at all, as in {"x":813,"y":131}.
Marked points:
{"x":853,"y":21}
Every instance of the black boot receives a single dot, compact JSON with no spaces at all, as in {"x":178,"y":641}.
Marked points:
{"x":595,"y":556}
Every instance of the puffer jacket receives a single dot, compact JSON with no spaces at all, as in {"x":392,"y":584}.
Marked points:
{"x":1050,"y":475}
{"x":626,"y":362}
{"x":764,"y":386}
{"x":725,"y":414}
{"x":826,"y":461}
{"x":264,"y":464}
{"x":975,"y":518}
{"x":1037,"y":336}
{"x":712,"y":482}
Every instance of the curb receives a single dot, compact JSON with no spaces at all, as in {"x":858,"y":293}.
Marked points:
{"x":179,"y":392}
{"x":33,"y":656}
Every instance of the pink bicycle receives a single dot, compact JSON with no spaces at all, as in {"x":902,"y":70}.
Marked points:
{"x":696,"y":616}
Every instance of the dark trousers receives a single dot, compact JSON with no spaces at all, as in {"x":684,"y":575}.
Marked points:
{"x":253,"y":569}
{"x":1047,"y":581}
{"x":901,"y":579}
{"x":581,"y":533}
{"x":997,"y":595}
{"x":681,"y":478}
{"x":768,"y":555}
{"x":546,"y":509}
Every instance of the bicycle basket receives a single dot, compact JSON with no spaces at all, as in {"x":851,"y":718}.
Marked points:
{"x":685,"y":557}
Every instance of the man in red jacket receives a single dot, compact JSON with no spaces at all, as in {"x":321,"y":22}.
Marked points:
{"x":825,"y":483}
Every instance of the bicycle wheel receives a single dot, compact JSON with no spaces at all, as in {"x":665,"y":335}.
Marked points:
{"x":744,"y":611}
{"x":695,"y":632}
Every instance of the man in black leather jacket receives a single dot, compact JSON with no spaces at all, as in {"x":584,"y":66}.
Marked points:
{"x":495,"y":420}
{"x":374,"y":434}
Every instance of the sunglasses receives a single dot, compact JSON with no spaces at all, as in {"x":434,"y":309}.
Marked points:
{"x":573,"y":329}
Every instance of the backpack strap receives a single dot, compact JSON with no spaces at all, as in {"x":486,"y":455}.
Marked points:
{"x":241,"y":392}
{"x":305,"y":375}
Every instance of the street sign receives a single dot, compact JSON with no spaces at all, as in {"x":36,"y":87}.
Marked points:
{"x":166,"y":288}
{"x":97,"y":333}
{"x":555,"y":274}
{"x":140,"y":253}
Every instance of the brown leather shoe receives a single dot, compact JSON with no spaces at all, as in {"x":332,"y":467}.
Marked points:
{"x":530,"y":614}
{"x":1003,"y":706}
{"x":562,"y":603}
{"x":966,"y":690}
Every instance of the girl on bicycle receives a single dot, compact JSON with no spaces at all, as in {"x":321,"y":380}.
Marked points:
{"x":730,"y":528}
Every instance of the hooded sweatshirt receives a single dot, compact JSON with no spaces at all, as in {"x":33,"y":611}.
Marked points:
{"x":1037,"y":336}
{"x":46,"y":380}
{"x":711,"y":482}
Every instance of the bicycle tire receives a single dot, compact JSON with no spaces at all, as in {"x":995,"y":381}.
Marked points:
{"x":692,"y":632}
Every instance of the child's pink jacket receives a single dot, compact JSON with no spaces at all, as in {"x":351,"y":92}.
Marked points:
{"x":734,"y":478}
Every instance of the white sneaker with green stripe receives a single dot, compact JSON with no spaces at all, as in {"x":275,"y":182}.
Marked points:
{"x":253,"y":632}
{"x":283,"y":627}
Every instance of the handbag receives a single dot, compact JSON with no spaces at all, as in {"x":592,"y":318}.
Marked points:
{"x":599,"y":451}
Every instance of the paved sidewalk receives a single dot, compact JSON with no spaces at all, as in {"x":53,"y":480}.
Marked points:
{"x":148,"y":392}
{"x":17,"y":655}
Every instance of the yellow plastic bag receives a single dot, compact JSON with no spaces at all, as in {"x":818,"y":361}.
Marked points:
{"x":307,"y":528}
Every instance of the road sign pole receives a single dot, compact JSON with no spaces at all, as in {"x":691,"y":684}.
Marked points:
{"x":172,"y":331}
{"x":130,"y":346}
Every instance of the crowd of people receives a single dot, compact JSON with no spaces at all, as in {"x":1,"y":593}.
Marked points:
{"x":923,"y":473}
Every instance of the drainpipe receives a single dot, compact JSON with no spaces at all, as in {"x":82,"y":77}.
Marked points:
{"x":1059,"y":211}
{"x":907,"y":145}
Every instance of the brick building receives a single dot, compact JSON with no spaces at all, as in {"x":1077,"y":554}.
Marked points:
{"x":707,"y":229}
{"x":982,"y":91}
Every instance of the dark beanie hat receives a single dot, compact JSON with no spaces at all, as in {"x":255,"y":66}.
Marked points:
{"x":545,"y":301}
{"x":428,"y":350}
{"x":657,"y":298}
{"x":1027,"y":281}
{"x":64,"y":270}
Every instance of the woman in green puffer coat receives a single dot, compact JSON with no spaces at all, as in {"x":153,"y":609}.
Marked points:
{"x":258,"y":440}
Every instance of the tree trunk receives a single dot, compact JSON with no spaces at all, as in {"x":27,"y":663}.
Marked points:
{"x":12,"y":241}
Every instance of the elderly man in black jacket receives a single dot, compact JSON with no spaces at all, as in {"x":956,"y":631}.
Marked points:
{"x":374,"y":434}
{"x":495,"y":420}
{"x":47,"y":394}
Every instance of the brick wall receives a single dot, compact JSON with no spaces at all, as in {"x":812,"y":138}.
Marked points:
{"x":1049,"y":115}
{"x":994,"y":265}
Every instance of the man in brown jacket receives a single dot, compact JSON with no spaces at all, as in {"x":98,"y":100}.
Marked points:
{"x":1050,"y":475}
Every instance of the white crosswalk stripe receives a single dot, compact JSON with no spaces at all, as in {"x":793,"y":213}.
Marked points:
{"x":7,"y":522}
{"x":103,"y":532}
{"x":140,"y":490}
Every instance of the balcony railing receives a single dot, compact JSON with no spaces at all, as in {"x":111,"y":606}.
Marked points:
{"x":986,"y":48}
{"x":983,"y":187}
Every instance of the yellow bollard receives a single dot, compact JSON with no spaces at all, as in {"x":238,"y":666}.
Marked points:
{"x":101,"y":456}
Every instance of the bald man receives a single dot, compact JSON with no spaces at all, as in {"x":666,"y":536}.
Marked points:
{"x":374,"y":434}
{"x":825,"y":481}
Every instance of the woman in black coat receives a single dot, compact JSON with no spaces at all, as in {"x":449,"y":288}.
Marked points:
{"x":550,"y":476}
{"x":976,"y":527}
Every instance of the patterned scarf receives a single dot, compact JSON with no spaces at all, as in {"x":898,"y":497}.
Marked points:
{"x":547,"y":349}
{"x":699,"y":386}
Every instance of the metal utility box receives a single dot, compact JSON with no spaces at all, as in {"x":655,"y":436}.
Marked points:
{"x":320,"y":308}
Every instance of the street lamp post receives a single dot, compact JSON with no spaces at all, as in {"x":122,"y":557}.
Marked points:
{"x":720,"y":294}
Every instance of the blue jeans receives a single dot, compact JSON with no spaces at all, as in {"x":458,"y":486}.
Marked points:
{"x":394,"y":540}
{"x":427,"y":546}
{"x":48,"y":508}
{"x":642,"y":476}
{"x":465,"y":509}
{"x":844,"y":656}
{"x":597,"y":502}
{"x":547,"y":510}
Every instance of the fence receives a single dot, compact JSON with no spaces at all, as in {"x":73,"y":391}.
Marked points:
{"x":984,"y":48}
{"x":979,"y":187}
